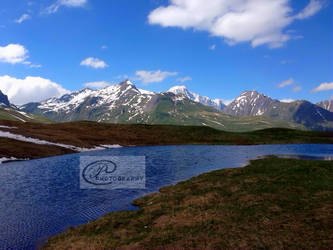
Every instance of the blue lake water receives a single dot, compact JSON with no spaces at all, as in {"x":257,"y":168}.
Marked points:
{"x":40,"y":198}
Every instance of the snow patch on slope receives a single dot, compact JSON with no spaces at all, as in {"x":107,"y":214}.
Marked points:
{"x":43,"y":142}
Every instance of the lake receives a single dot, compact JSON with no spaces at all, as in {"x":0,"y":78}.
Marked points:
{"x":40,"y":198}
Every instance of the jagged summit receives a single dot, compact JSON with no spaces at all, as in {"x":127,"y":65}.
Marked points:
{"x":249,"y":103}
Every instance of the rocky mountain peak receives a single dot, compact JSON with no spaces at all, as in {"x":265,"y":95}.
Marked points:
{"x":4,"y":99}
{"x":249,"y":103}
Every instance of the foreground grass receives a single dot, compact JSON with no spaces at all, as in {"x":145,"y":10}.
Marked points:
{"x":91,"y":134}
{"x":272,"y":203}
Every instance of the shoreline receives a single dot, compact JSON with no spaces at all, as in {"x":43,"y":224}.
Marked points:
{"x":34,"y":140}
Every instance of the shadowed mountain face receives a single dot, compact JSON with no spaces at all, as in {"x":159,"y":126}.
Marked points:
{"x":124,"y":103}
{"x":328,"y":105}
{"x":251,"y":103}
{"x":4,"y":99}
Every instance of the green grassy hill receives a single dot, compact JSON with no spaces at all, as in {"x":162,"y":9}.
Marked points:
{"x":15,"y":115}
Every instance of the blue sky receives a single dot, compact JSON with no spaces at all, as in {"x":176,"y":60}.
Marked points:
{"x":48,"y":47}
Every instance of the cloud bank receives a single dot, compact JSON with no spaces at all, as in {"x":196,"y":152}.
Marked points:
{"x":29,"y":89}
{"x":256,"y":21}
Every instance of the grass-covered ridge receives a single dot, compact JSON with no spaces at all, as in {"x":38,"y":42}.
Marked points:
{"x":272,"y":203}
{"x":12,"y":114}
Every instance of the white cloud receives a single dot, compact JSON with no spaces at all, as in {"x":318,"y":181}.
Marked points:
{"x":323,"y":87}
{"x":104,"y":47}
{"x":67,"y":3}
{"x":311,"y":9}
{"x":286,"y":83}
{"x":13,"y":53}
{"x":23,"y":18}
{"x":94,"y":63}
{"x":297,"y":88}
{"x":153,"y":76}
{"x":287,"y":100}
{"x":227,"y":101}
{"x":212,"y":47}
{"x":184,"y":79}
{"x":256,"y":21}
{"x":29,"y":89}
{"x":97,"y":85}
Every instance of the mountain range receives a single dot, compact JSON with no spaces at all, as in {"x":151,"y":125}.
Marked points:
{"x":125,"y":103}
{"x":251,"y":103}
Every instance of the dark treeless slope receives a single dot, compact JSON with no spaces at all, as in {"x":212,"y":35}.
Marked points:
{"x":273,"y":203}
{"x":91,"y":134}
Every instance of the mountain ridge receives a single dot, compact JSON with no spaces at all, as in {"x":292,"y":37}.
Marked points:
{"x":252,"y":103}
{"x":124,"y":103}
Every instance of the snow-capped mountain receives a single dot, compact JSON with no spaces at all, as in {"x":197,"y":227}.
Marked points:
{"x":249,"y":103}
{"x":328,"y":105}
{"x":124,"y":103}
{"x":121,"y":102}
{"x":183,"y":90}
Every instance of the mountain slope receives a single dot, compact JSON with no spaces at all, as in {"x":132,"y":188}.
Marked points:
{"x":182,"y":90}
{"x":328,"y":105}
{"x":251,"y":103}
{"x":10,"y":112}
{"x":124,"y":103}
